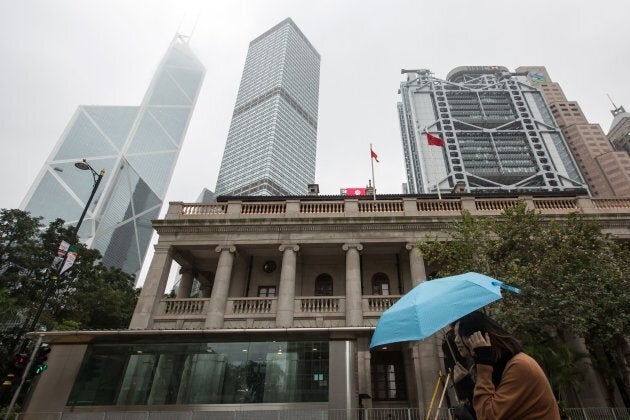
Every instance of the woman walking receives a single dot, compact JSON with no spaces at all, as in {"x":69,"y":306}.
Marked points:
{"x":509,"y":384}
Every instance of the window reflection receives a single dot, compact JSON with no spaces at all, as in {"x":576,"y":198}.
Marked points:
{"x":203,"y":373}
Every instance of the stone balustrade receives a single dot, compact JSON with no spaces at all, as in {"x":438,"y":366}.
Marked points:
{"x":251,"y":306}
{"x":305,"y":307}
{"x":309,"y":305}
{"x":377,"y":304}
{"x":183,"y":306}
{"x":347,"y":207}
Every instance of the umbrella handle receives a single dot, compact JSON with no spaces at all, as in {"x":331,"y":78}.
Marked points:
{"x":435,"y":391}
{"x":437,"y":410}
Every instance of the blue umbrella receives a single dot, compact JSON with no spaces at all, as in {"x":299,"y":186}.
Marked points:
{"x":434,"y":304}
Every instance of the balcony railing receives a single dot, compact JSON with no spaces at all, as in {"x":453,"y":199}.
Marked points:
{"x":310,"y":305}
{"x":304,"y":307}
{"x":378,"y":303}
{"x":352,"y":207}
{"x":184,"y":306}
{"x":251,"y":306}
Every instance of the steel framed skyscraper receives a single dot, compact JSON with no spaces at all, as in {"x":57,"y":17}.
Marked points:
{"x":498,"y":132}
{"x":271,"y":145}
{"x":137,"y":146}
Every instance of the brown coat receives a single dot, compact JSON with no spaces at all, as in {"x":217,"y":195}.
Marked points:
{"x":523,"y":394}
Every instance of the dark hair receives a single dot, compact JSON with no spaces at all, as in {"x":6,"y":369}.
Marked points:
{"x":505,"y":344}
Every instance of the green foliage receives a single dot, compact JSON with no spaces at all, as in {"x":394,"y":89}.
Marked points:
{"x":572,"y":276}
{"x":89,"y":295}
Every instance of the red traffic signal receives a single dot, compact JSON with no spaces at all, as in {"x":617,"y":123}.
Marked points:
{"x":20,"y":360}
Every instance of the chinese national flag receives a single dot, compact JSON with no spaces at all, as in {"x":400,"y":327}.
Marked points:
{"x":374,"y":155}
{"x":434,"y":140}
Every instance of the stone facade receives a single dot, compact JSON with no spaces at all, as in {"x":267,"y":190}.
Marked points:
{"x":300,"y":268}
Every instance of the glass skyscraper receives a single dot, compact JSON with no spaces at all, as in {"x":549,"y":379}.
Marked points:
{"x":271,"y":145}
{"x":137,"y":146}
{"x":498,"y":132}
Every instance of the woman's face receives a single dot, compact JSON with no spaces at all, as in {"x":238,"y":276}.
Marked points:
{"x":462,"y":346}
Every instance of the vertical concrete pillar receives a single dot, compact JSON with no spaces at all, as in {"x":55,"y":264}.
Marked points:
{"x":53,"y":388}
{"x":220,"y":288}
{"x":153,"y":288}
{"x":342,"y":387}
{"x":286,"y":292}
{"x":426,"y":368}
{"x":364,"y":374}
{"x":592,"y":392}
{"x":354,"y":311}
{"x":416,"y":265}
{"x":185,"y":283}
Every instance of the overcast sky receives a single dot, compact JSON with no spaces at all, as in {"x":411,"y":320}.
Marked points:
{"x":57,"y":55}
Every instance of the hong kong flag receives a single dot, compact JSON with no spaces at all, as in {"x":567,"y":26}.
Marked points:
{"x":373,"y":155}
{"x":353,"y":191}
{"x":434,"y":140}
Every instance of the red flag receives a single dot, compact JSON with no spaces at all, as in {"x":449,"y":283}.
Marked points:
{"x":374,"y":155}
{"x":434,"y":140}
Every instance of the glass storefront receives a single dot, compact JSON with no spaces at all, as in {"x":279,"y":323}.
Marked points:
{"x":203,"y":373}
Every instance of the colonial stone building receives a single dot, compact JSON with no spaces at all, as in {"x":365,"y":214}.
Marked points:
{"x":274,"y":309}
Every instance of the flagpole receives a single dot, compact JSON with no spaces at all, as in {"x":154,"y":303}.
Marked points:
{"x":373,"y":180}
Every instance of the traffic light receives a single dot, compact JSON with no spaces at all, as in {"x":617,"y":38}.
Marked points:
{"x":15,"y":370}
{"x":39,"y":364}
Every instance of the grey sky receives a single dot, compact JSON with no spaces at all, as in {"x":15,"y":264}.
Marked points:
{"x":57,"y":55}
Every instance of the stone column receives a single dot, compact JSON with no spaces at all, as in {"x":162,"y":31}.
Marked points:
{"x":364,"y":372}
{"x":286,"y":292}
{"x":416,"y":264}
{"x":185,"y":283}
{"x":592,"y":392}
{"x":354,"y":310}
{"x":425,"y":357}
{"x":342,"y":385}
{"x":153,"y":288}
{"x":220,"y":288}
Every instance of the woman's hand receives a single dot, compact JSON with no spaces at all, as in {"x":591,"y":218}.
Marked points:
{"x":477,"y":340}
{"x":459,"y":372}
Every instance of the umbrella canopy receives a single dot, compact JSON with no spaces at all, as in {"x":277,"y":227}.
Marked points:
{"x":434,"y":304}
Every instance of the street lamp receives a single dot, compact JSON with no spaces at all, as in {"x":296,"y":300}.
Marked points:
{"x":56,"y":273}
{"x":96,"y":177}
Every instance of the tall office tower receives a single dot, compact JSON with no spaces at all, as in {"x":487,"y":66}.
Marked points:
{"x":498,"y":134}
{"x":271,"y":145}
{"x":607,"y":171}
{"x":619,"y":132}
{"x":137,"y":146}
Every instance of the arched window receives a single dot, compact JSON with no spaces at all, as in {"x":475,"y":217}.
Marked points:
{"x":380,"y":284}
{"x":324,"y":285}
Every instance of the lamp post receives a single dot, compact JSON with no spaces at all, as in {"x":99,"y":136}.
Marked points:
{"x":96,"y":176}
{"x":56,"y":273}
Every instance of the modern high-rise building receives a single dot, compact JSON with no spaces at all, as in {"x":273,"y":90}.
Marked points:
{"x":498,"y":134}
{"x":606,"y":170}
{"x":271,"y":145}
{"x":137,"y":146}
{"x":619,"y":132}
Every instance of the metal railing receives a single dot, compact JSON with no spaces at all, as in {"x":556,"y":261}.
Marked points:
{"x":288,"y":414}
{"x":603,"y":413}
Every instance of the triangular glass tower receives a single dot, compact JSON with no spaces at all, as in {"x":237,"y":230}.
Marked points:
{"x":137,"y":146}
